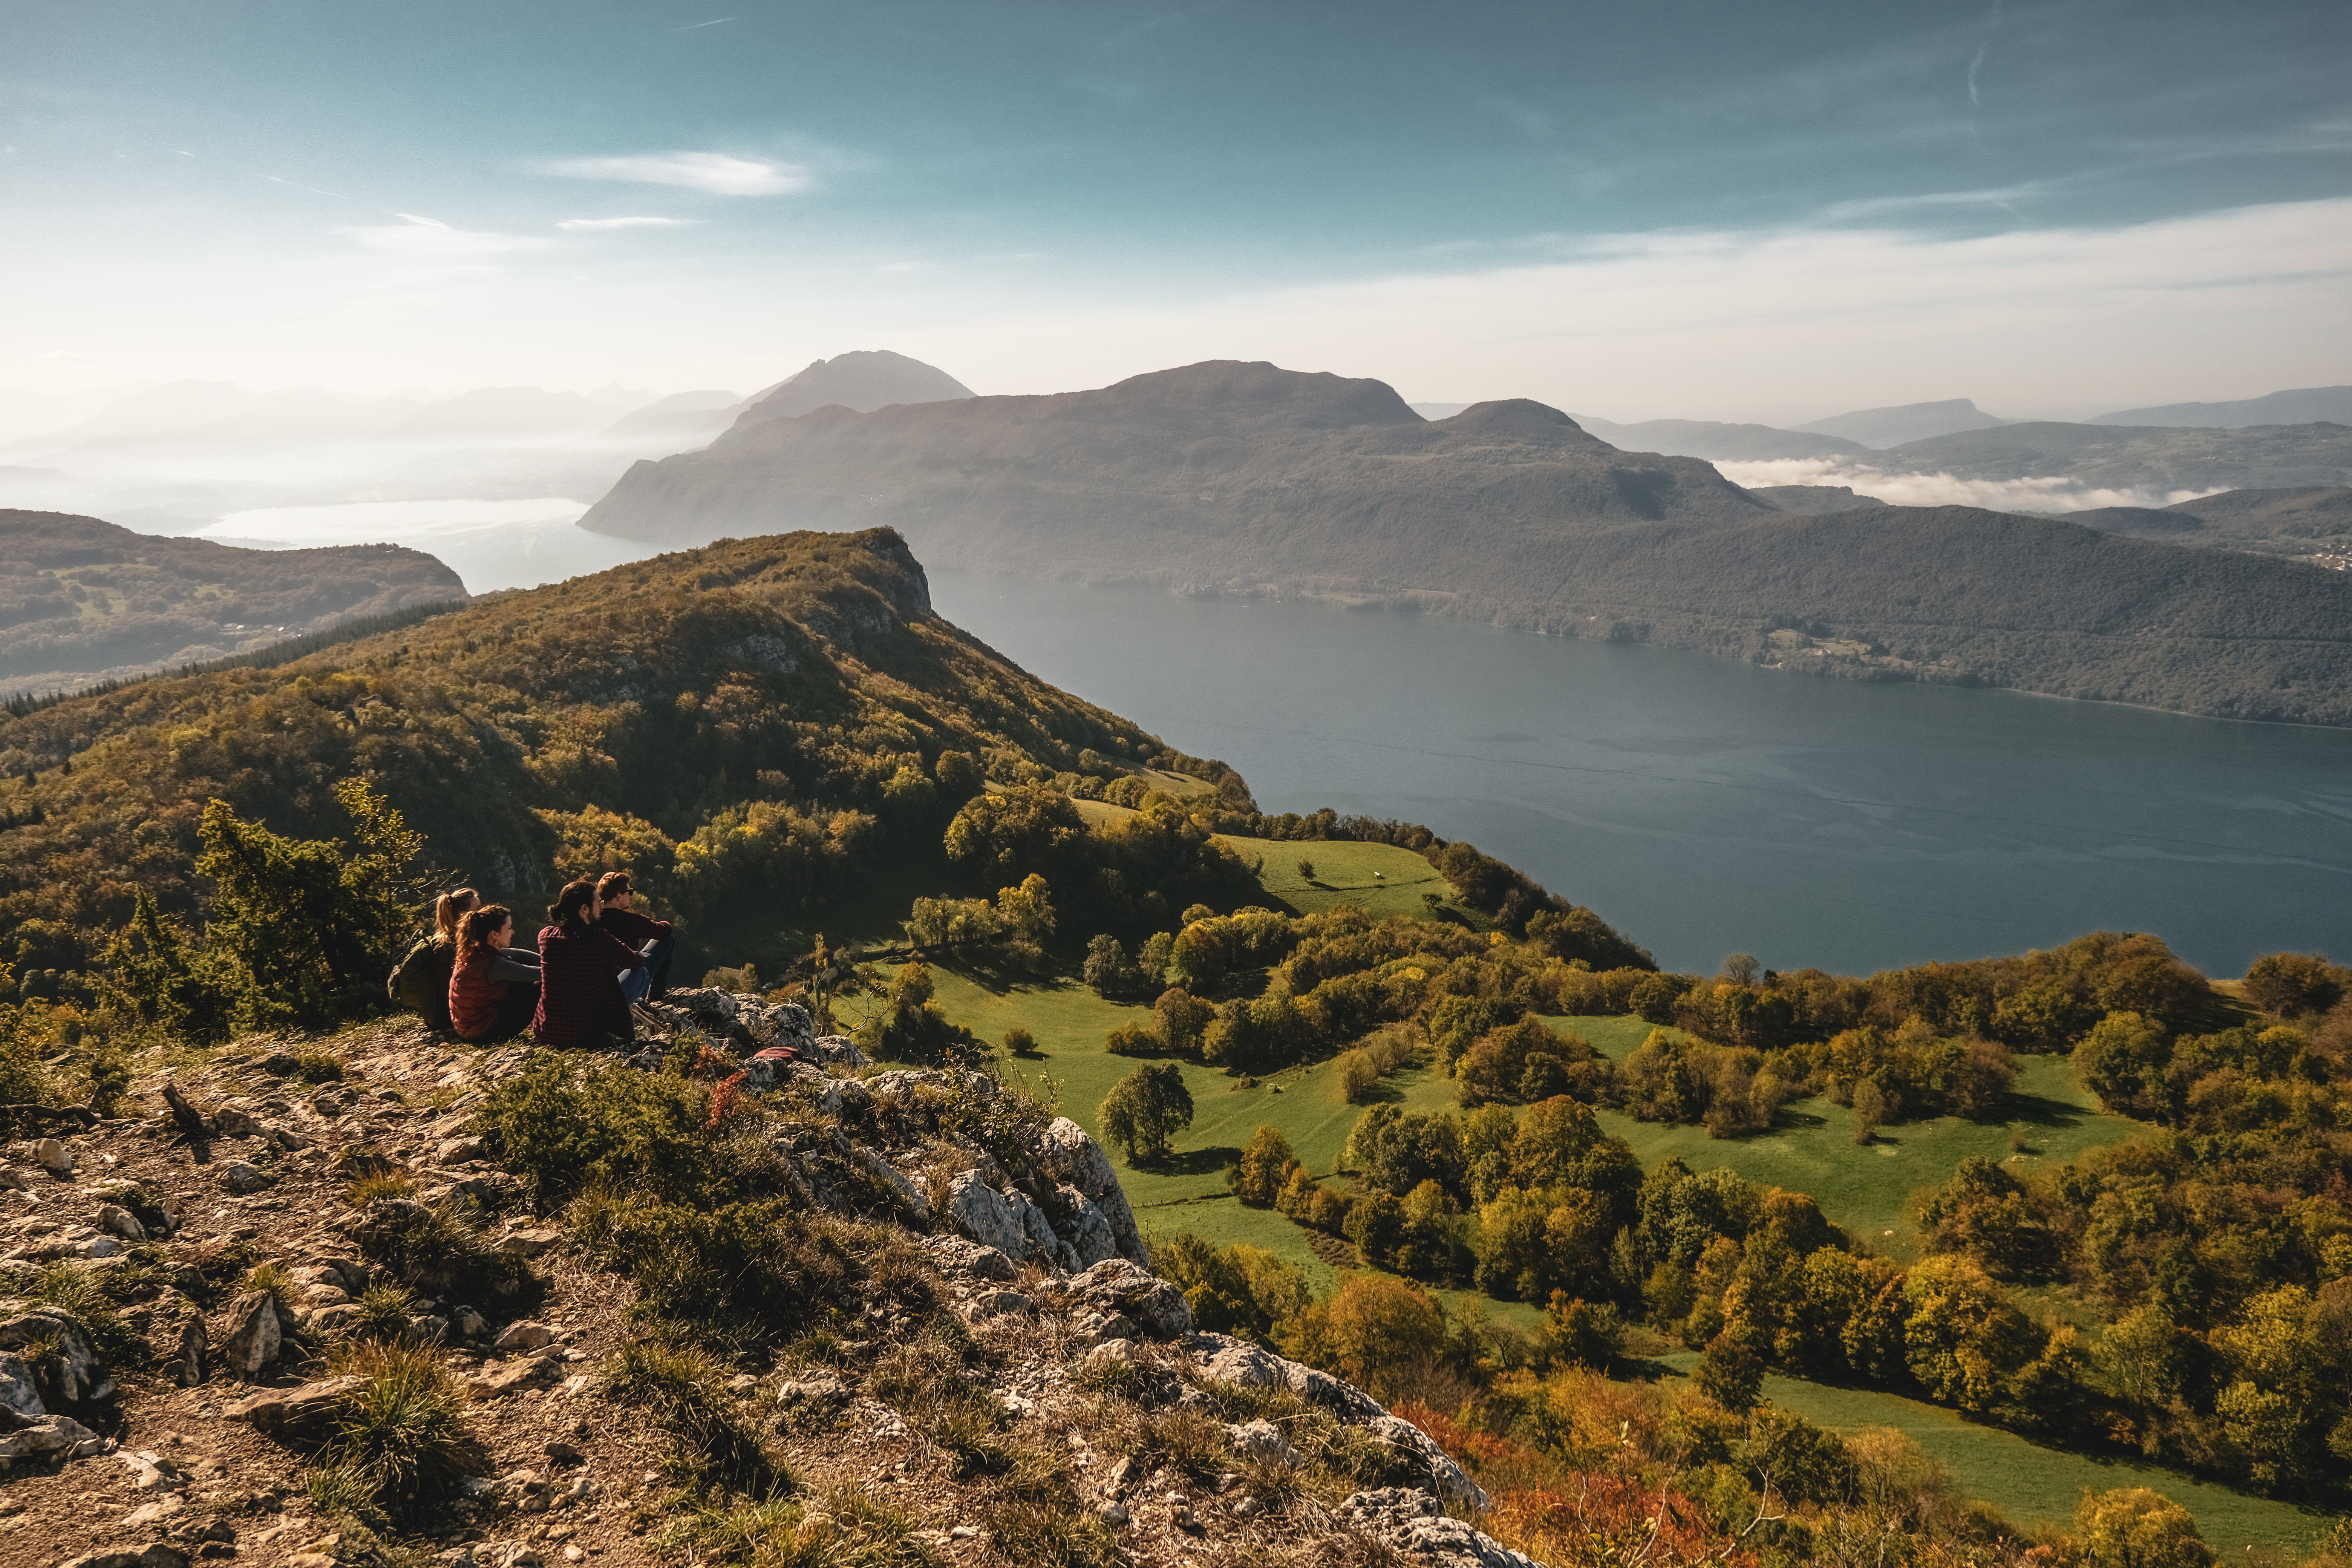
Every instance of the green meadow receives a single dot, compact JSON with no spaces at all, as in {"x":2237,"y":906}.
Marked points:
{"x":2034,"y":1484}
{"x":1809,"y":1149}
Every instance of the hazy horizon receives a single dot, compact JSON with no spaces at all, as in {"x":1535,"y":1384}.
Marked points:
{"x":1767,"y":215}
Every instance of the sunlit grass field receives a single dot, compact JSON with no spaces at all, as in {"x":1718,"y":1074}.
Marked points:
{"x":1809,"y":1149}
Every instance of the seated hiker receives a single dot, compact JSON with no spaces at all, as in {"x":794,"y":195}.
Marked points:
{"x":494,"y":986}
{"x":653,"y":937}
{"x":579,"y":999}
{"x":421,"y":982}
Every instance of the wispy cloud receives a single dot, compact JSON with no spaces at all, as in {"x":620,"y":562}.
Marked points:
{"x":713,"y":174}
{"x":601,"y":223}
{"x":695,"y":27}
{"x":2047,"y":494}
{"x":426,"y":236}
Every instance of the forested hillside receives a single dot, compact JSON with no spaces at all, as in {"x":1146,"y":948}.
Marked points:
{"x":80,"y":597}
{"x":764,"y":720}
{"x":1247,"y":478}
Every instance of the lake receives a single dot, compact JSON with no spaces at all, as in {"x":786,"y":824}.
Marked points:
{"x":1705,"y":807}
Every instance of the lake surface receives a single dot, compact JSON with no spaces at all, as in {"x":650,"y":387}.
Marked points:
{"x":1707,"y":807}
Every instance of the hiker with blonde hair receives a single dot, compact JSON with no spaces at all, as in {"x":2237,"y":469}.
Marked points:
{"x":420,"y":982}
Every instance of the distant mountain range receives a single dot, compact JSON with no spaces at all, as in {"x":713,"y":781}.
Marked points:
{"x":81,"y":598}
{"x":1884,"y":428}
{"x":2304,"y":406}
{"x":1237,"y":477}
{"x":220,"y":411}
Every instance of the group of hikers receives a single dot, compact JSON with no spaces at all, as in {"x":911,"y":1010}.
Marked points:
{"x":595,"y":958}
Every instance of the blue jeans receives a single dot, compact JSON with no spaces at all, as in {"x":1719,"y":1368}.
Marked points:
{"x":649,"y":982}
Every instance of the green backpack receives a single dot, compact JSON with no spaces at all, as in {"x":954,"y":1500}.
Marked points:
{"x":421,"y":982}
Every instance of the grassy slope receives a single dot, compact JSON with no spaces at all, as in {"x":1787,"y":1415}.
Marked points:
{"x":2033,"y":1484}
{"x":1812,"y":1150}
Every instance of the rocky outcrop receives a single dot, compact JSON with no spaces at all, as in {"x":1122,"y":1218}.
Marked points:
{"x":1409,"y":1522}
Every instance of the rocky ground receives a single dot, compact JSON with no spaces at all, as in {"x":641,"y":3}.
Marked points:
{"x":181,"y":1290}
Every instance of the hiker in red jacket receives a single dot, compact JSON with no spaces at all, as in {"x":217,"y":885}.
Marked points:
{"x":579,"y":969}
{"x":653,"y":938}
{"x":494,"y":986}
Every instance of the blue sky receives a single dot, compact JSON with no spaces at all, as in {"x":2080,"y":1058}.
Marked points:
{"x":1714,"y":209}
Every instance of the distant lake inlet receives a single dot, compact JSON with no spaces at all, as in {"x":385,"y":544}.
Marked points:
{"x":1705,"y":806}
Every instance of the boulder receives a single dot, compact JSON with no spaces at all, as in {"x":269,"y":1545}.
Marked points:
{"x":1064,"y":1150}
{"x":1082,"y":1226}
{"x":1262,"y":1441}
{"x":53,"y":1157}
{"x":18,"y":1390}
{"x":1243,"y":1364}
{"x":839,"y":1052}
{"x":73,"y":1374}
{"x":529,"y":1243}
{"x":525,"y":1336}
{"x":956,"y":1254}
{"x":121,"y":1222}
{"x":1446,"y":1478}
{"x":1008,"y":1222}
{"x":51,"y":1434}
{"x":1119,"y":1286}
{"x":253,"y":1337}
{"x":1409,"y":1522}
{"x":304,"y":1414}
{"x":461,"y":1151}
{"x":238,"y":1177}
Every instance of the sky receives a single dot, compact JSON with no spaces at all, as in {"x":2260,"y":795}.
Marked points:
{"x":1734,"y":209}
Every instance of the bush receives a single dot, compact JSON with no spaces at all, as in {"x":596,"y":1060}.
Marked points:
{"x":565,"y":1125}
{"x":2132,"y":1527}
{"x":736,"y":1272}
{"x":435,"y":1251}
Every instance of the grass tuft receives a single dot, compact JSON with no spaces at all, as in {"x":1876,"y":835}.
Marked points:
{"x":403,"y":1432}
{"x":685,"y":1389}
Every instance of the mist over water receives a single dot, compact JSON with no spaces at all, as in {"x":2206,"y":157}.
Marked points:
{"x":1707,"y":807}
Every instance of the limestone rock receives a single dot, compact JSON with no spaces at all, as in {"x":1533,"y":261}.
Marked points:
{"x":72,"y":1375}
{"x":188,"y":1365}
{"x":1263,"y":1441}
{"x":51,"y":1434}
{"x":1081,"y":1226}
{"x":233,"y":1121}
{"x":956,"y":1254}
{"x":1064,"y":1151}
{"x":162,"y":1554}
{"x":1409,"y":1522}
{"x":238,"y":1177}
{"x":121,"y":1222}
{"x":18,"y":1392}
{"x":253,"y":1338}
{"x":1008,"y":1222}
{"x":53,"y":1157}
{"x":537,"y":1372}
{"x":305,"y":1414}
{"x":908,"y":1197}
{"x":461,"y":1151}
{"x":524,"y":1336}
{"x":1118,"y":1285}
{"x":1446,"y":1478}
{"x":1244,"y":1364}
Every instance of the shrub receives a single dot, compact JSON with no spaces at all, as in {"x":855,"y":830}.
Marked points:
{"x":434,"y":1250}
{"x":383,"y":1312}
{"x":735,"y":1272}
{"x":565,"y":1125}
